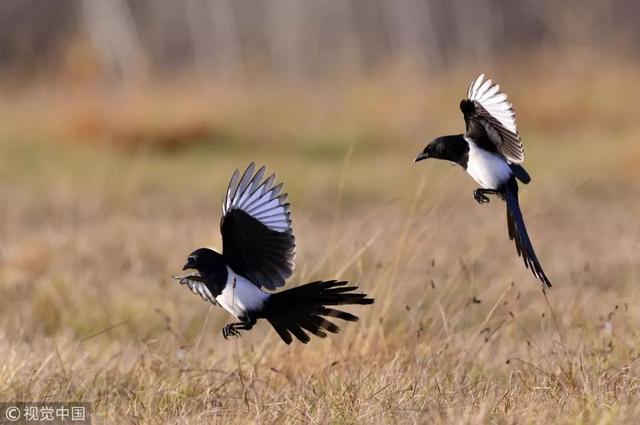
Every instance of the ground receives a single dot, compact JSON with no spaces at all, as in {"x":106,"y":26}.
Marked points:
{"x":104,"y":195}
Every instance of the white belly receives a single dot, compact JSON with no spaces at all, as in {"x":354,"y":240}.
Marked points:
{"x":486,"y":168}
{"x":240,"y":295}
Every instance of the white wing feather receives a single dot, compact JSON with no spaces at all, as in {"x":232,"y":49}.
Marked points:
{"x":260,"y":199}
{"x":494,"y":102}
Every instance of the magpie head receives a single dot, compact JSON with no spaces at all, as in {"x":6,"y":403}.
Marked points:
{"x":441,"y":148}
{"x":427,"y":152}
{"x":202,"y":259}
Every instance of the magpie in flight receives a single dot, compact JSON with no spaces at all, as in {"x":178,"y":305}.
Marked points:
{"x":491,"y":152}
{"x":258,"y":251}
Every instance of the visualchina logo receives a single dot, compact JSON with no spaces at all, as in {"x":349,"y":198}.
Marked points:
{"x":41,"y":412}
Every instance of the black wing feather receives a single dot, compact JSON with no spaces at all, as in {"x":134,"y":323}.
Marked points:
{"x":253,"y":250}
{"x":257,"y":238}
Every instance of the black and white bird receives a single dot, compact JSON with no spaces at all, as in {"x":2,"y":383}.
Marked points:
{"x":258,"y":251}
{"x":491,"y":151}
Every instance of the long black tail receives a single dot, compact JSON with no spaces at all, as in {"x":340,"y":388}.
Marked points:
{"x":518,"y":232}
{"x":300,"y":309}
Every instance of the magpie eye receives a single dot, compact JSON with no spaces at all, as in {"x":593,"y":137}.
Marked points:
{"x":191,"y":260}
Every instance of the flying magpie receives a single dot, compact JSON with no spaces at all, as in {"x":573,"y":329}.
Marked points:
{"x":258,"y":251}
{"x":491,"y":151}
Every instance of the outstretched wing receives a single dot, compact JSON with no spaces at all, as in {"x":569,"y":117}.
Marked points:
{"x":257,"y":238}
{"x":491,"y":120}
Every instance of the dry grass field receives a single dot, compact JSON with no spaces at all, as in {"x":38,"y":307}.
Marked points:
{"x":105,"y":191}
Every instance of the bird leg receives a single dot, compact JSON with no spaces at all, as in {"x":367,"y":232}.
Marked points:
{"x":233,"y":329}
{"x":481,"y":195}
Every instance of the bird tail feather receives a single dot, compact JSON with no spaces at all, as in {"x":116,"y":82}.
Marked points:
{"x":518,"y":233}
{"x":302,"y":308}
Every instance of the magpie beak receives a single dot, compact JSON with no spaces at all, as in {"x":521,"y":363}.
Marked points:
{"x":187,"y":266}
{"x":421,"y":156}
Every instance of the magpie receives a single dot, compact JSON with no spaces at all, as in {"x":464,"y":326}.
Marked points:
{"x":491,"y":151}
{"x":258,"y":251}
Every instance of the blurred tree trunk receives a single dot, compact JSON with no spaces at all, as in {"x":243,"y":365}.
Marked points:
{"x":114,"y":34}
{"x":285,"y":35}
{"x":227,"y":49}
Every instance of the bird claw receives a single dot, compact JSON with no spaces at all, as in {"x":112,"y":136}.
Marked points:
{"x":480,"y":197}
{"x":229,"y":330}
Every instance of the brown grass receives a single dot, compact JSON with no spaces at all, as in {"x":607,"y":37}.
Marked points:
{"x":460,"y":332}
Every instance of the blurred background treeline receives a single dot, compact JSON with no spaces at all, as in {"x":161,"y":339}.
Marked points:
{"x":123,"y":38}
{"x":315,"y":76}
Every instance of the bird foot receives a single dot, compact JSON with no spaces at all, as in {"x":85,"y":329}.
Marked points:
{"x":480,"y":197}
{"x":233,"y":329}
{"x":230,"y":330}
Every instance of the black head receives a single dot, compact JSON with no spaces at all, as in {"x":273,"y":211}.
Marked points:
{"x":211,"y":266}
{"x":203,"y":260}
{"x":451,"y":148}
